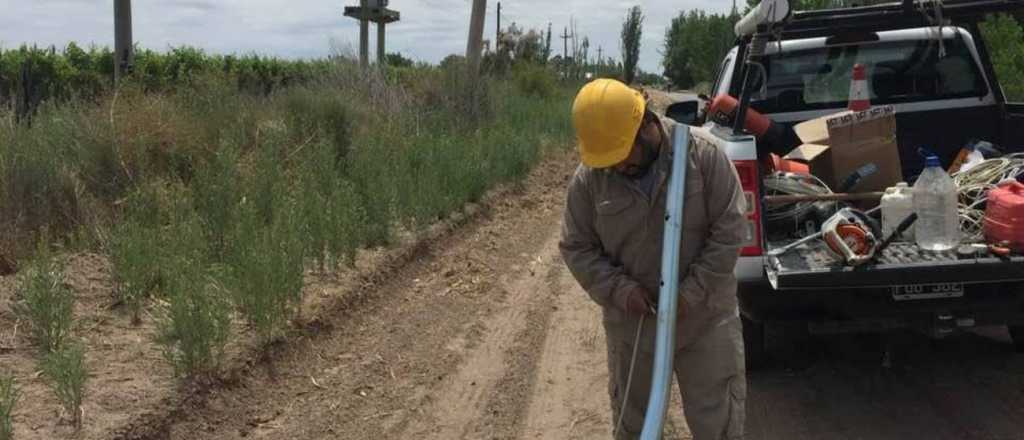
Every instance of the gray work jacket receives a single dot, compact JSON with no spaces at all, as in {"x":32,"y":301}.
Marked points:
{"x":612,"y":238}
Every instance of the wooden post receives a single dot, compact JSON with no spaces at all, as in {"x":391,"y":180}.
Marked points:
{"x":476,"y":34}
{"x":123,"y":49}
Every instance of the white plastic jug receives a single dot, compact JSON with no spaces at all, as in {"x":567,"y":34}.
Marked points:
{"x":897,"y":205}
{"x":935,"y":201}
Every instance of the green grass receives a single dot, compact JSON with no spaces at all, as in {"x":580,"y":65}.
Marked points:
{"x":46,"y":302}
{"x":8,"y":399}
{"x":67,"y":375}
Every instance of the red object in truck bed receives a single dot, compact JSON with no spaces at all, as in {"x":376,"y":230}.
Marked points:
{"x":1004,"y":216}
{"x":789,"y":166}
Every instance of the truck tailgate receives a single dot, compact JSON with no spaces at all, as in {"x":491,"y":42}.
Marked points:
{"x":812,"y":266}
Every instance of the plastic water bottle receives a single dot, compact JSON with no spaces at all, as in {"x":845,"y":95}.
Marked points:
{"x":935,"y":201}
{"x":897,"y":205}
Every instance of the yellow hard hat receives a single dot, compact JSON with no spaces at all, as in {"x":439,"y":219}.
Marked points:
{"x":606,"y":115}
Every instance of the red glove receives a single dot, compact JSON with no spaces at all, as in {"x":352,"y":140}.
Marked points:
{"x":634,"y":300}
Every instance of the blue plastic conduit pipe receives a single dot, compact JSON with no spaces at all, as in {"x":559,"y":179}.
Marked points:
{"x":668,"y":297}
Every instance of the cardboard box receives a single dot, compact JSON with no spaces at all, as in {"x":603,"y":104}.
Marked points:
{"x":835,"y":146}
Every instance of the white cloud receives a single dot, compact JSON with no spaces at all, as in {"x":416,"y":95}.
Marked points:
{"x":429,"y":29}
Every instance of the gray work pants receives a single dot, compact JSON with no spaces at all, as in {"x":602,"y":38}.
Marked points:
{"x":711,"y":376}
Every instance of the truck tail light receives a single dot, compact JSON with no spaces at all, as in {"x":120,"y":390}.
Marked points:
{"x":750,"y":181}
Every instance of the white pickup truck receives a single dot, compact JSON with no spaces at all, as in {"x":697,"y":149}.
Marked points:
{"x":940,"y":101}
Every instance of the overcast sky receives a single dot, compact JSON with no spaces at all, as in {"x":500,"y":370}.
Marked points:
{"x":429,"y":29}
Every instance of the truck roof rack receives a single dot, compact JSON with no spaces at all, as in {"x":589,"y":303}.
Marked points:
{"x":891,"y":16}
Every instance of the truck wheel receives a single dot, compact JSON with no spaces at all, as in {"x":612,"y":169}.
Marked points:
{"x":753,"y":344}
{"x":1017,"y":334}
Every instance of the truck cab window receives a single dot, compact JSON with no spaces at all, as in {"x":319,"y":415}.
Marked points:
{"x":721,"y":76}
{"x":898,"y":71}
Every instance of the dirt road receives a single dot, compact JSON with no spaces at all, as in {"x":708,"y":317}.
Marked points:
{"x":487,"y":336}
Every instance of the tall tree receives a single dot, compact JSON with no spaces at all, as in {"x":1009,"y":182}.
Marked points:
{"x":695,"y":43}
{"x":632,"y":29}
{"x":677,"y":58}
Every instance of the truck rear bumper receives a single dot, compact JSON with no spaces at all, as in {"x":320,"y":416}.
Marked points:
{"x":837,"y":310}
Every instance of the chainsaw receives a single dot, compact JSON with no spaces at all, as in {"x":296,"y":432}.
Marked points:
{"x":852,"y":236}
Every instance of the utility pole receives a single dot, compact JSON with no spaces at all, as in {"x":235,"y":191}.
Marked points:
{"x":565,"y":44}
{"x":600,"y":60}
{"x":575,"y":49}
{"x":124,"y":55}
{"x":476,"y":34}
{"x":497,"y":31}
{"x":364,"y":36}
{"x":565,"y":52}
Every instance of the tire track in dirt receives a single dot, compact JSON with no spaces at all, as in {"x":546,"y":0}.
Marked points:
{"x":572,"y":399}
{"x":483,"y":398}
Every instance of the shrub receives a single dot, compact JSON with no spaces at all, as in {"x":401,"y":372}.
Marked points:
{"x":217,"y":191}
{"x":267,"y":270}
{"x":197,"y":323}
{"x":149,"y":238}
{"x":534,"y":80}
{"x":162,"y":244}
{"x":135,"y":259}
{"x":452,"y":94}
{"x":331,"y":212}
{"x":46,"y":302}
{"x":39,"y":189}
{"x":316,"y":115}
{"x":67,"y":375}
{"x":8,"y":398}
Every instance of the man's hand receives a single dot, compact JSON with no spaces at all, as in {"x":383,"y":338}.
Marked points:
{"x":681,"y":309}
{"x":634,"y":301}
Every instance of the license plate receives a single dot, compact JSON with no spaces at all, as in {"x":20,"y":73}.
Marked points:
{"x":927,"y":291}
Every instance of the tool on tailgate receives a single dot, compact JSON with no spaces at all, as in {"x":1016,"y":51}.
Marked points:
{"x":847,"y":224}
{"x":851,"y":236}
{"x":902,"y":227}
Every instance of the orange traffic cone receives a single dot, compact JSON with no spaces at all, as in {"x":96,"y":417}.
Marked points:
{"x":859,"y":98}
